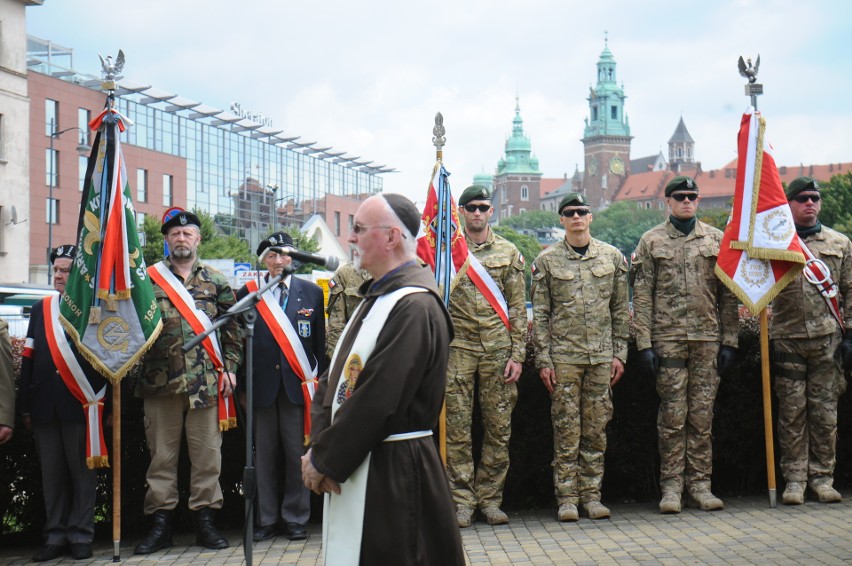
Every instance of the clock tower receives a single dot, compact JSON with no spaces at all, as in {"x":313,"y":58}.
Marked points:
{"x":606,"y":137}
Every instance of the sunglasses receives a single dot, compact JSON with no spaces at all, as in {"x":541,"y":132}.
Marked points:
{"x":680,"y":197}
{"x":361,"y":228}
{"x":578,"y":211}
{"x":805,"y":198}
{"x":479,"y":207}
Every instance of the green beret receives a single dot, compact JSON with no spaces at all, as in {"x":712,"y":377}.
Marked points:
{"x":681,"y":183}
{"x":474,"y":192}
{"x":573,"y":199}
{"x":179,"y":218}
{"x":800,"y":184}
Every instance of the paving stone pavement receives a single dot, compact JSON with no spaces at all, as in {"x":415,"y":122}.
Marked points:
{"x":746,"y":532}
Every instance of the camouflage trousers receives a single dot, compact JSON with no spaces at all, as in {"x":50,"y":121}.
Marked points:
{"x":581,"y":407}
{"x":685,"y":417}
{"x":482,"y":487}
{"x":808,"y":383}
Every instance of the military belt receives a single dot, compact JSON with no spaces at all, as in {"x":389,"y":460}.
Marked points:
{"x":789,"y":358}
{"x":673,"y":363}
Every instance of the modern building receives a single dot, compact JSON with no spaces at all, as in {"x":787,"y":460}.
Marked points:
{"x":14,"y":150}
{"x":231,"y":163}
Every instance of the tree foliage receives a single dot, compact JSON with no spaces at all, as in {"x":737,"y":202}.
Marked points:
{"x":622,"y":224}
{"x":527,"y":245}
{"x":531,"y":220}
{"x":836,"y":210}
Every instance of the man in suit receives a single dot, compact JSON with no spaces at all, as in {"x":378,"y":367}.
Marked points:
{"x":58,"y":421}
{"x":289,"y":352}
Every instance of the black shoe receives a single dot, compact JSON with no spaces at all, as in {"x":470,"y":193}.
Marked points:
{"x":265,"y":533}
{"x":50,"y":552}
{"x":81,"y":550}
{"x":205,"y":531}
{"x":296,"y":531}
{"x":160,"y":535}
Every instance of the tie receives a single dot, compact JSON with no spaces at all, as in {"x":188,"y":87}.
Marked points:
{"x":282,"y":294}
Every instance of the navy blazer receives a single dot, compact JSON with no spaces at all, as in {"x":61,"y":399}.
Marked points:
{"x":306,"y":313}
{"x":42,"y":393}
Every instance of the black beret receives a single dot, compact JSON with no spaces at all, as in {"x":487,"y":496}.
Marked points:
{"x":474,"y":192}
{"x":681,"y":183}
{"x":800,"y":184}
{"x":573,"y":199}
{"x":180,"y":218}
{"x":278,"y":240}
{"x":67,"y":251}
{"x":405,"y":211}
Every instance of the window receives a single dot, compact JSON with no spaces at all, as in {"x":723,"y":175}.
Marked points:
{"x":51,"y":116}
{"x":82,"y":163}
{"x":594,"y":113}
{"x":51,"y":173}
{"x":168,"y":180}
{"x":351,"y":222}
{"x":525,"y":193}
{"x":83,"y":117}
{"x":52,"y":211}
{"x":336,"y":222}
{"x":2,"y":144}
{"x":140,"y":220}
{"x":141,"y":185}
{"x":614,"y":112}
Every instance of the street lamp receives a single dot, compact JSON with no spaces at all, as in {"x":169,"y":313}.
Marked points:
{"x":274,"y":206}
{"x":83,"y":150}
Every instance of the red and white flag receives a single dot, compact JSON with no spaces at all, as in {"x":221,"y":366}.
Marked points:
{"x":760,"y":252}
{"x":441,"y":244}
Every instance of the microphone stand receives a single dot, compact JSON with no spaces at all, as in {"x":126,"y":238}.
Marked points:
{"x":247,"y":307}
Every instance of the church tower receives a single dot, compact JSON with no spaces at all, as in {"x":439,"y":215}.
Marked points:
{"x":681,"y":149}
{"x":606,"y":137}
{"x":518,"y":178}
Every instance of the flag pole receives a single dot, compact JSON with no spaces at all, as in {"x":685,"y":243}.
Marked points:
{"x":753,"y":89}
{"x":439,"y":140}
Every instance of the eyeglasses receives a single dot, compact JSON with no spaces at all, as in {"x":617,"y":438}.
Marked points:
{"x":805,"y":198}
{"x":580,"y":211}
{"x":680,"y":197}
{"x":480,"y":207}
{"x":361,"y":228}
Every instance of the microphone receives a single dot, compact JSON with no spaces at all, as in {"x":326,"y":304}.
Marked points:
{"x":330,"y":262}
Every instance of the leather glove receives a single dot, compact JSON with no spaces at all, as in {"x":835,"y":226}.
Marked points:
{"x":846,"y":352}
{"x":725,"y":360}
{"x":648,"y":362}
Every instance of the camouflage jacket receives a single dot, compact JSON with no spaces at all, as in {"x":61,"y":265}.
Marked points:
{"x":579,"y":305}
{"x":478,"y":326}
{"x":799,"y":311}
{"x":166,"y":369}
{"x":676,"y":294}
{"x":343,"y":299}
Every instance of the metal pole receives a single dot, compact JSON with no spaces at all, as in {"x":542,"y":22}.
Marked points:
{"x":51,"y":208}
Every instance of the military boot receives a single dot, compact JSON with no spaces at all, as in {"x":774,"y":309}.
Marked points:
{"x":596,"y":510}
{"x":205,"y":531}
{"x":464,"y":515}
{"x":568,"y":512}
{"x":494,"y":516}
{"x":794,"y":493}
{"x":704,"y":499}
{"x":826,"y":493}
{"x":160,"y":535}
{"x":670,"y":503}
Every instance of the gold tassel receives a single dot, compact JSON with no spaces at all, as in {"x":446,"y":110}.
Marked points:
{"x":95,"y":315}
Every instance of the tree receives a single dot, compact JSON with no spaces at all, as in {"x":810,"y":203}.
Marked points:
{"x":531,"y":220}
{"x":836,"y":210}
{"x":622,"y":224}
{"x":527,"y":245}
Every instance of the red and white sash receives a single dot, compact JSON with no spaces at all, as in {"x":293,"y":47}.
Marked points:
{"x":817,"y":274}
{"x":288,"y":340}
{"x":489,"y":289}
{"x":77,"y":383}
{"x":199,"y":322}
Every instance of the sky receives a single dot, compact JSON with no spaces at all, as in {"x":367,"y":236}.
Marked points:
{"x":368,"y":77}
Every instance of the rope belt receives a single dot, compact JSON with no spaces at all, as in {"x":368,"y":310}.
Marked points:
{"x":408,"y":435}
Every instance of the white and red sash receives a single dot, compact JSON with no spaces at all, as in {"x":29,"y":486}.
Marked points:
{"x":817,"y":273}
{"x":75,"y":380}
{"x":199,"y":322}
{"x":288,"y":340}
{"x":343,"y":513}
{"x":489,"y":289}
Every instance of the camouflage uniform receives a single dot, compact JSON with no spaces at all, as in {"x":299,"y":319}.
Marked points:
{"x":808,"y":376}
{"x":484,"y":345}
{"x":343,"y":299}
{"x":172,"y":381}
{"x":683,"y":311}
{"x":580,"y":323}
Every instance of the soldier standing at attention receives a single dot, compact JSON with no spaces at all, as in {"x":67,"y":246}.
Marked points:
{"x":580,"y":328}
{"x":490,"y":320}
{"x":809,"y":347}
{"x":681,"y":312}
